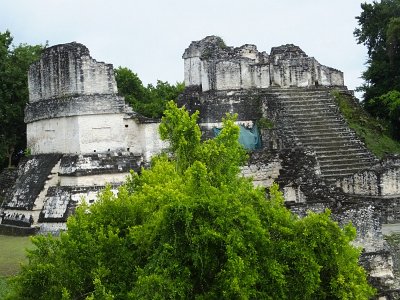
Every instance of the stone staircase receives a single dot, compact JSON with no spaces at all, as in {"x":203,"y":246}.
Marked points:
{"x":311,"y":118}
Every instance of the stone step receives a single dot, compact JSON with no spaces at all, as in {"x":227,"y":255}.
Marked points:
{"x":341,"y":172}
{"x":298,"y":93}
{"x":301,"y":106}
{"x":300,"y":115}
{"x":350,"y":158}
{"x":327,"y":153}
{"x":334,"y":176}
{"x":331,"y":152}
{"x":345,"y":160}
{"x":323,"y":134}
{"x":323,"y":140}
{"x":320,"y":143}
{"x":302,"y":101}
{"x":315,"y":130}
{"x":343,"y":164}
{"x":299,"y":123}
{"x":318,"y":114}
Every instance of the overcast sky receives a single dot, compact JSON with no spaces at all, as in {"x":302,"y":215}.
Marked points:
{"x":150,"y":36}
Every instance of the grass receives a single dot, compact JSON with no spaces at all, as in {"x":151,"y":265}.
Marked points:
{"x":12,"y":254}
{"x":374,"y":133}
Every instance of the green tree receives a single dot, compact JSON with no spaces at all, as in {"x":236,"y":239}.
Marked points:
{"x":379,"y":31}
{"x":149,"y":101}
{"x":14,"y":65}
{"x":190,"y":227}
{"x":387,"y":107}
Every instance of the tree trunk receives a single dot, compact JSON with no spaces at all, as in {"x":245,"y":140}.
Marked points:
{"x":9,"y":154}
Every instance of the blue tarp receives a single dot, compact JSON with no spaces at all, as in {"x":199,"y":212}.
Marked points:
{"x":249,"y":138}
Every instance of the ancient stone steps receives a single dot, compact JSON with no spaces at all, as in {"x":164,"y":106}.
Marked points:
{"x":318,"y":136}
{"x":310,"y":129}
{"x":347,"y":163}
{"x":344,"y":171}
{"x":318,"y":106}
{"x":323,"y":134}
{"x":339,"y":159}
{"x":304,"y":116}
{"x":343,"y":152}
{"x":312,"y":118}
{"x":324,"y":153}
{"x":304,"y":100}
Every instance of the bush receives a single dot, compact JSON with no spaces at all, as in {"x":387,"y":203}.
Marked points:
{"x":191,"y":227}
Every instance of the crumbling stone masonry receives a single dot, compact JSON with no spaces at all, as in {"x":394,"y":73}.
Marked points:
{"x":82,"y":137}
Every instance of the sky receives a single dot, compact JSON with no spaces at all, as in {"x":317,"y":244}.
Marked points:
{"x":150,"y":36}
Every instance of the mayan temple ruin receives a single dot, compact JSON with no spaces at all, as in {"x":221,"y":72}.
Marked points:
{"x":83,"y":136}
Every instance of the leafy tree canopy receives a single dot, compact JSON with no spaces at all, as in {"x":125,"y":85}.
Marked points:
{"x":190,"y":227}
{"x":387,"y":107}
{"x":379,"y":31}
{"x":14,"y":65}
{"x":149,"y":101}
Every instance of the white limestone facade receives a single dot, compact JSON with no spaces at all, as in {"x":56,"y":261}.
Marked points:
{"x":74,"y":108}
{"x":211,"y":64}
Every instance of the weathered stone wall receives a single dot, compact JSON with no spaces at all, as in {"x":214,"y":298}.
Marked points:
{"x":67,"y":69}
{"x":263,"y":167}
{"x":213,"y":105}
{"x":383,"y":179}
{"x":211,"y":64}
{"x":74,"y":108}
{"x":7,"y":181}
{"x":97,"y":169}
{"x":78,"y":134}
{"x":32,"y":175}
{"x":74,"y":114}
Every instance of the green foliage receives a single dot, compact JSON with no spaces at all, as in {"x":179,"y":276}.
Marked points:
{"x":376,"y":134}
{"x":14,"y":64}
{"x":379,"y":31}
{"x":149,"y":101}
{"x":264,"y":123}
{"x":27,"y":152}
{"x":191,"y":228}
{"x":387,"y":107}
{"x":393,"y":242}
{"x":3,"y":287}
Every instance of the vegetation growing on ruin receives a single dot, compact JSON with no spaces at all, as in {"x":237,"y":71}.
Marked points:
{"x":393,"y":241}
{"x":265,"y":123}
{"x":149,"y":101}
{"x":375,"y":133}
{"x":190,"y":227}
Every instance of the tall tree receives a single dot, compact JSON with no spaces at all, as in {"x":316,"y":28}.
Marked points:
{"x":149,"y":101}
{"x":191,"y":228}
{"x":379,"y":31}
{"x":14,"y":65}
